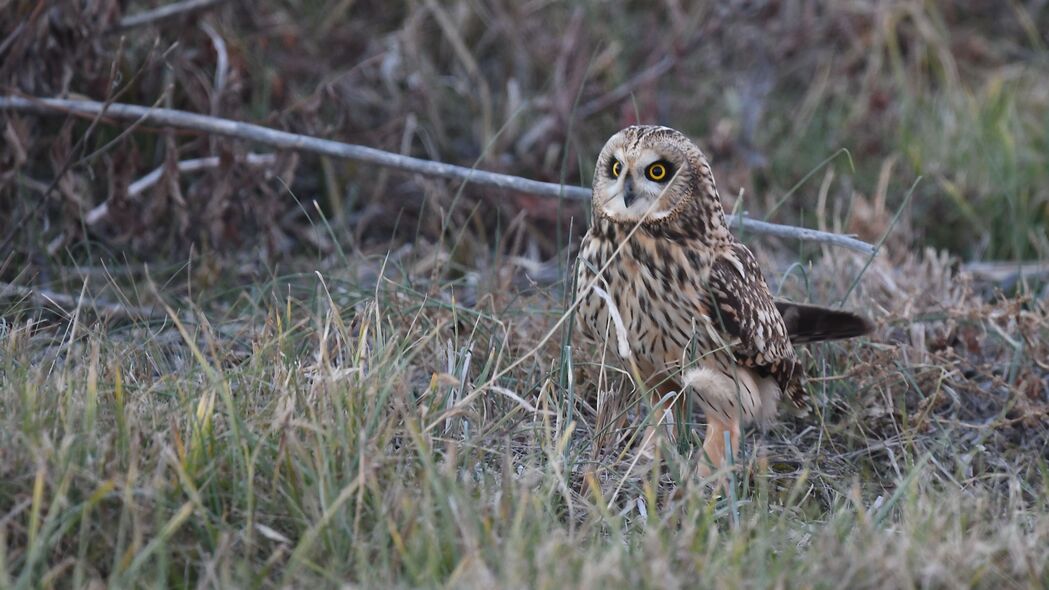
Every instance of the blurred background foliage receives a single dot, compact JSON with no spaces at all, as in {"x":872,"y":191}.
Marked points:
{"x":816,"y":113}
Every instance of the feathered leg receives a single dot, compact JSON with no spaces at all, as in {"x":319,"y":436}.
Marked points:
{"x":661,"y":387}
{"x":714,"y":444}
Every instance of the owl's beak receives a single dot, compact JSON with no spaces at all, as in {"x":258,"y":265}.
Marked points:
{"x":629,"y":196}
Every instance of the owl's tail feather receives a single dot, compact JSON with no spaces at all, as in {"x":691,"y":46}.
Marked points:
{"x":809,"y":323}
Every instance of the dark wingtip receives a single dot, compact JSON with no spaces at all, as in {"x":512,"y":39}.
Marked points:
{"x":810,"y":323}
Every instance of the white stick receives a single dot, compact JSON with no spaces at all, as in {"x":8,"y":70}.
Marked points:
{"x":294,"y":141}
{"x":139,"y":186}
{"x":165,"y":12}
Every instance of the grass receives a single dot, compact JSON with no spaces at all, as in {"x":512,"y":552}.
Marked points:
{"x":311,"y":429}
{"x":345,"y":378}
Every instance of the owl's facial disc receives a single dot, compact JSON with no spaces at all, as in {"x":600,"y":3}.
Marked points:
{"x":637,"y":185}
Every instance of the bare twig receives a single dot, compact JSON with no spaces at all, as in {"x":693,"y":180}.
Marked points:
{"x":139,"y":186}
{"x":163,"y":13}
{"x":10,"y":39}
{"x":294,"y":141}
{"x":67,"y":302}
{"x":221,"y":66}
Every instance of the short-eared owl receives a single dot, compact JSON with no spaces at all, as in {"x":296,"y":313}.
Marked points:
{"x":696,"y":310}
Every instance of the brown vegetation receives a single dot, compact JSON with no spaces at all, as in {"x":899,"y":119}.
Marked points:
{"x":289,"y":370}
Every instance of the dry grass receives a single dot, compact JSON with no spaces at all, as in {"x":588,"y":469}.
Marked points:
{"x":352,"y":384}
{"x":331,"y":430}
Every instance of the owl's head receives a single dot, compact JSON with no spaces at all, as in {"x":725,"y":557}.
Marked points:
{"x":650,"y":174}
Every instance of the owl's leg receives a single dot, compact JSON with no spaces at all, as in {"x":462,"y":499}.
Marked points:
{"x":714,"y":444}
{"x":662,"y":388}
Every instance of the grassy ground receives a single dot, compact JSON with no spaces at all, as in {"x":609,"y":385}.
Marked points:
{"x":320,"y":429}
{"x":325,"y":375}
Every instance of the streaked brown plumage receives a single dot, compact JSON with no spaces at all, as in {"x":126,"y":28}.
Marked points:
{"x":693,"y":303}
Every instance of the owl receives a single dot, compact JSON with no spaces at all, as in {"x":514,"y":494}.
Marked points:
{"x":661,"y":278}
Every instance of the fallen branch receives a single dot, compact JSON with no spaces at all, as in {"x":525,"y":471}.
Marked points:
{"x":294,"y":141}
{"x":1007,"y":273}
{"x":67,"y":303}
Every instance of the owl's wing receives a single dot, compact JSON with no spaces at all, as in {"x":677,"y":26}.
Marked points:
{"x":812,"y":323}
{"x":743,"y":308}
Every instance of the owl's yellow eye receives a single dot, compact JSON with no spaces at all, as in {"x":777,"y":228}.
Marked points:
{"x":657,"y":172}
{"x":616,"y":168}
